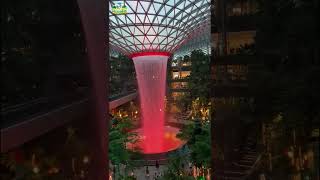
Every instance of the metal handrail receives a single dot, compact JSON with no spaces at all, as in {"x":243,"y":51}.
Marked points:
{"x":162,"y":160}
{"x":12,"y":114}
{"x":255,"y":164}
{"x":4,"y":109}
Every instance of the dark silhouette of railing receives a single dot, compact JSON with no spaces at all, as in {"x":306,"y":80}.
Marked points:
{"x":18,"y":113}
{"x":161,"y":158}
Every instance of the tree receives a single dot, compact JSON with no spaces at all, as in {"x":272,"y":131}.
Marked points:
{"x":122,"y":74}
{"x":199,"y":79}
{"x":201,"y":149}
{"x":38,"y":36}
{"x":286,"y":85}
{"x":119,"y":137}
{"x":198,"y":137}
{"x":175,"y":169}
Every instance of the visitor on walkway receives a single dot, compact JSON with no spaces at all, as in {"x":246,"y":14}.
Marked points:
{"x":262,"y":177}
{"x":114,"y":172}
{"x":147,"y":172}
{"x":157,"y":165}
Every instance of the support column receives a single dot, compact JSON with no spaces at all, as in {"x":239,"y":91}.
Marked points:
{"x":94,"y":17}
{"x":221,"y":23}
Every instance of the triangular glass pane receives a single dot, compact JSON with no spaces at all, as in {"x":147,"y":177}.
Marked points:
{"x":159,"y":19}
{"x":162,"y":46}
{"x":151,"y":38}
{"x":162,"y":13}
{"x":130,"y":39}
{"x":140,"y":9}
{"x":152,"y":10}
{"x":112,"y":18}
{"x":198,"y":4}
{"x":181,"y":5}
{"x":170,"y":2}
{"x":121,"y":41}
{"x":125,"y":33}
{"x":141,"y":17}
{"x":154,"y":47}
{"x":174,"y":34}
{"x":145,"y":5}
{"x":139,"y":30}
{"x":146,"y":29}
{"x":171,"y":14}
{"x":116,"y":36}
{"x":147,"y":20}
{"x":187,"y":3}
{"x":161,"y":39}
{"x":131,"y":18}
{"x":151,"y":17}
{"x":157,"y":6}
{"x":132,"y":5}
{"x":110,"y":4}
{"x":140,"y":38}
{"x":163,"y":33}
{"x":139,"y":46}
{"x":152,"y":31}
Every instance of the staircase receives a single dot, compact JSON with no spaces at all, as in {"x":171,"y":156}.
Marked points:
{"x":240,"y":169}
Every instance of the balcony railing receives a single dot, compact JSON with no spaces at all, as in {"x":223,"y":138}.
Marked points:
{"x":239,"y":23}
{"x":26,"y":122}
{"x":179,"y":79}
{"x":20,"y":112}
{"x":234,"y":59}
{"x":242,"y":23}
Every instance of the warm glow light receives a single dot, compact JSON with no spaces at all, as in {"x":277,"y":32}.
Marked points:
{"x":167,"y":135}
{"x":146,"y":54}
{"x":170,"y":141}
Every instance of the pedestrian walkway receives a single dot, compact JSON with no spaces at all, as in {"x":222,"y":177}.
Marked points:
{"x":140,"y":173}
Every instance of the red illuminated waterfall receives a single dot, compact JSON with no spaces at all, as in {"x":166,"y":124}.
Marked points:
{"x":151,"y":75}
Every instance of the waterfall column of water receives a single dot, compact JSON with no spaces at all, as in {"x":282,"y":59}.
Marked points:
{"x":151,"y":73}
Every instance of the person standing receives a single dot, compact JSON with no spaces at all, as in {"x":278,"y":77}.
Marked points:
{"x":147,"y":172}
{"x":262,"y":177}
{"x":157,"y":165}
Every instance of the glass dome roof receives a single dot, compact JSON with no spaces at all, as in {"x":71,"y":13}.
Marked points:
{"x":157,"y":25}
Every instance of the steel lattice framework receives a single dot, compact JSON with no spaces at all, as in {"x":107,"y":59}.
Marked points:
{"x":157,"y":25}
{"x":200,"y":42}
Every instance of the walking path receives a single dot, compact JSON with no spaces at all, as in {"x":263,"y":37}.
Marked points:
{"x":140,"y":173}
